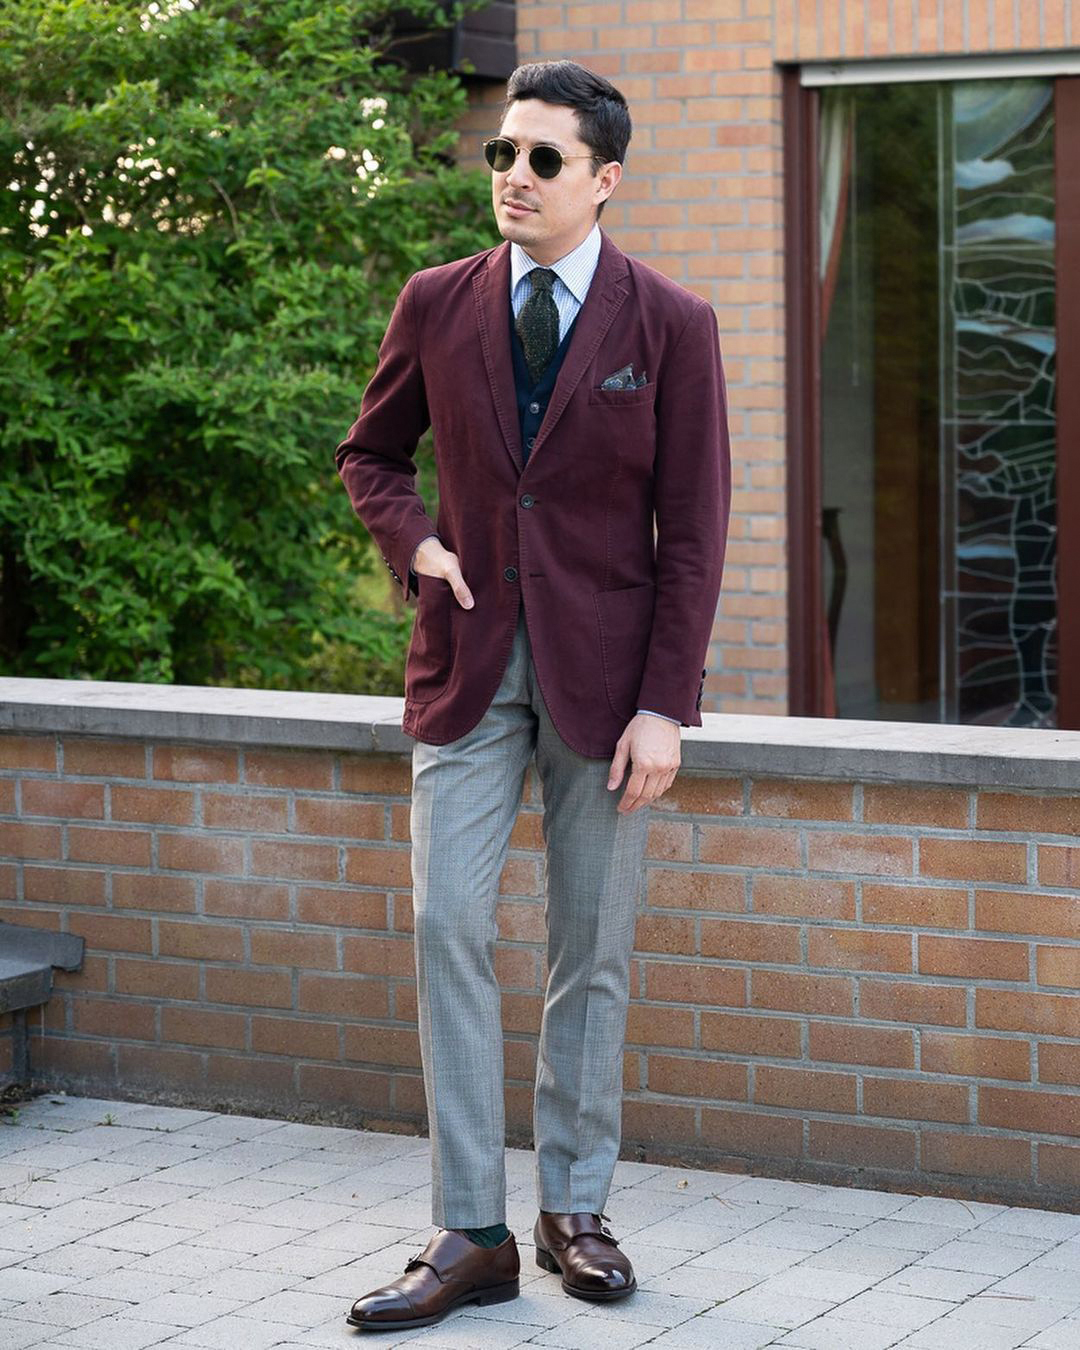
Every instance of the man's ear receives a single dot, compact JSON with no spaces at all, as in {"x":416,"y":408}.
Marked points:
{"x":608,"y":178}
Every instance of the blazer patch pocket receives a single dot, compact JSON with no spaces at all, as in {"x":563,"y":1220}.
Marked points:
{"x":623,"y":398}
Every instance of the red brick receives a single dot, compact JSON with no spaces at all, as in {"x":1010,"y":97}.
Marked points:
{"x":652,"y":1123}
{"x":104,"y":759}
{"x":701,"y":796}
{"x":973,"y":859}
{"x":665,"y":933}
{"x":29,"y":841}
{"x":859,"y":949}
{"x":894,"y":804}
{"x":746,"y":1034}
{"x":246,"y":899}
{"x":1028,"y":813}
{"x":376,"y":775}
{"x":201,"y":941}
{"x":340,"y":819}
{"x":973,"y":958}
{"x":202,"y":1026}
{"x":862,"y":1146}
{"x":916,"y":1099}
{"x":157,"y":979}
{"x":1059,"y":1063}
{"x":249,"y":1079}
{"x":284,"y":858}
{"x":298,"y":1039}
{"x":312,"y":770}
{"x":915,"y":906}
{"x":1060,"y":966}
{"x":866,"y":854}
{"x":378,"y":866}
{"x":153,"y":806}
{"x":520,"y":876}
{"x":125,"y":1021}
{"x":340,"y":908}
{"x":125,"y":847}
{"x":154,"y":891}
{"x":159,"y":1067}
{"x":1016,"y":1010}
{"x":346,"y":1086}
{"x":753,"y":1134}
{"x":49,"y":797}
{"x":251,"y":812}
{"x":783,"y":991}
{"x":840,"y":1043}
{"x":646,"y":1025}
{"x":695,"y":890}
{"x":342,"y":996}
{"x":37,"y":753}
{"x":201,"y":853}
{"x":802,"y":800}
{"x":689,"y":1076}
{"x":64,"y":885}
{"x":521,"y":921}
{"x":975,"y":1056}
{"x":747,"y":940}
{"x":108,"y":933}
{"x":380,"y":956}
{"x":669,"y":841}
{"x":1059,"y":1165}
{"x":1036,"y":913}
{"x":1017,"y":1109}
{"x":692,"y":982}
{"x":908,"y":1001}
{"x":253,"y":988}
{"x":809,"y":897}
{"x":749,"y":846}
{"x":287,"y":947}
{"x":973,"y":1155}
{"x":804,"y":1089}
{"x":195,"y":763}
{"x":382,"y":1045}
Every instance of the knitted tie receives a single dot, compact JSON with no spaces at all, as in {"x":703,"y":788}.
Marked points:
{"x":537,"y":323}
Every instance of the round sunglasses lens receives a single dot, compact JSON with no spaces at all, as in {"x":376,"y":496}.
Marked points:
{"x":500,"y":155}
{"x":546,"y":160}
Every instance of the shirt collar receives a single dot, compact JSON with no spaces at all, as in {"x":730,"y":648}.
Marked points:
{"x":575,"y":269}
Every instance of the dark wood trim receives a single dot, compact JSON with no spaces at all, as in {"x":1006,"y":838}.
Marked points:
{"x":806,"y":620}
{"x":1067,"y":308}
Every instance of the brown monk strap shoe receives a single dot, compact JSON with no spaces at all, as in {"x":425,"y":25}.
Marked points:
{"x":586,"y":1253}
{"x":452,"y":1269}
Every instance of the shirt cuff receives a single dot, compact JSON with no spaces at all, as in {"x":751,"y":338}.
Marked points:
{"x":663,"y":715}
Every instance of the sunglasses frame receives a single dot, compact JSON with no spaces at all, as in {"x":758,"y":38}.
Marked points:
{"x":541,"y":145}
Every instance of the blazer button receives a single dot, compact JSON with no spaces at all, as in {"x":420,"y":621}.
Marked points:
{"x":531,"y":442}
{"x":527,"y":499}
{"x":534,"y":407}
{"x":510,"y":573}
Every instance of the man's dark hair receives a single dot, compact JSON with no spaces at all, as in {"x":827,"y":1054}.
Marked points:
{"x":602,"y":115}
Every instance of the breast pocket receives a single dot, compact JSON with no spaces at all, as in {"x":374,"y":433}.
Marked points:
{"x":624,"y":398}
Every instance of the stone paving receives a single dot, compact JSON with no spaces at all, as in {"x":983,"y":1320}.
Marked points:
{"x":124,"y":1226}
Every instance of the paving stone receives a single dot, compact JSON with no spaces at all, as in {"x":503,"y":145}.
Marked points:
{"x":896,"y":1310}
{"x":762,"y":1305}
{"x":834,"y":1333}
{"x":64,"y":1309}
{"x":118,"y":1333}
{"x":981,"y":1258}
{"x":715,"y":1333}
{"x":583,"y":1332}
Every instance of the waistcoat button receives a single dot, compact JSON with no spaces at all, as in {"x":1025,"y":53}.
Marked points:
{"x":527,"y":500}
{"x":534,"y":407}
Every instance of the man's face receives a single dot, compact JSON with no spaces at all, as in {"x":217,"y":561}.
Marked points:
{"x":548,"y":216}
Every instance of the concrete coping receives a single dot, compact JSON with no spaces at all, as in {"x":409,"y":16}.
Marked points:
{"x":727,"y":743}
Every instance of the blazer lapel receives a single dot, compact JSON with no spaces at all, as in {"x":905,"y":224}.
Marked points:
{"x":491,"y":293}
{"x":605,"y":297}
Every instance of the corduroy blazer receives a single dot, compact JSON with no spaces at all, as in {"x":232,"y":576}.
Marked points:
{"x":612,"y":534}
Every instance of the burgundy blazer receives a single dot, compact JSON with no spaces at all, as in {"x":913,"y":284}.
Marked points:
{"x":619,"y":612}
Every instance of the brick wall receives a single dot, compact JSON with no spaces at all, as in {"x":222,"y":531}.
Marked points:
{"x":845,"y":979}
{"x":701,"y":201}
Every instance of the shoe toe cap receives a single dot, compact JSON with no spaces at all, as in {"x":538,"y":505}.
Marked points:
{"x":382,"y":1305}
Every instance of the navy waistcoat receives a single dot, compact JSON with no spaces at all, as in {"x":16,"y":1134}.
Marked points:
{"x":532,"y":399}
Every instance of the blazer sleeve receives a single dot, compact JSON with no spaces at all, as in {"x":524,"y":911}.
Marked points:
{"x":376,"y":461}
{"x":692,"y":499}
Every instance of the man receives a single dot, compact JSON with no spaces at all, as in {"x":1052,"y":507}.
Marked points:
{"x":565,"y":600}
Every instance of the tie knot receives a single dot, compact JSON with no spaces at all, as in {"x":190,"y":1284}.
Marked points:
{"x":543,"y":278}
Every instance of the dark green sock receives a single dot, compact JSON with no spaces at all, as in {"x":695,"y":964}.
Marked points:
{"x":486,"y":1237}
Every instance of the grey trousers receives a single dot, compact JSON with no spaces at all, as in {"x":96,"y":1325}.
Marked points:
{"x":465,"y":799}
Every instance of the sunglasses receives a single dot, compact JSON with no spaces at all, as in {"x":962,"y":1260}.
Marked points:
{"x":544,"y":160}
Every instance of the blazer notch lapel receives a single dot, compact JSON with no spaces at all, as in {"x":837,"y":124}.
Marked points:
{"x":491,"y":288}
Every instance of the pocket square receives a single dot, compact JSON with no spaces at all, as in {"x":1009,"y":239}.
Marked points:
{"x":623,"y":379}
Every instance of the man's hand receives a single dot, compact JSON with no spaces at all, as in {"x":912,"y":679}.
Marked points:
{"x":652,"y":746}
{"x":432,"y":560}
